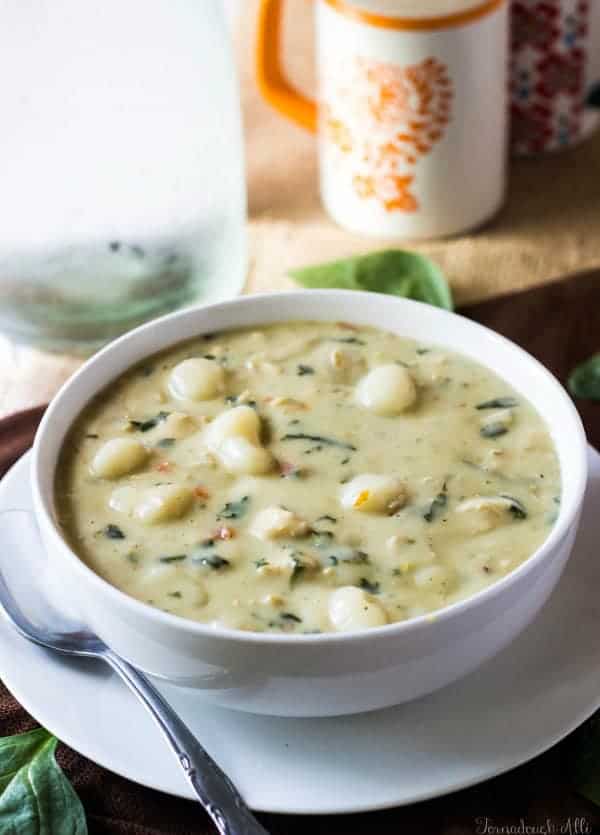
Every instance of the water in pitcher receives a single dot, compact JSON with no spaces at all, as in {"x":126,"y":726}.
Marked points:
{"x":121,"y":166}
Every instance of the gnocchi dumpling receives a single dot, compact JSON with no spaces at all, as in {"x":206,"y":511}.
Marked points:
{"x":343,"y":363}
{"x":123,"y":499}
{"x":274,"y":522}
{"x":408,"y":552}
{"x":241,"y":421}
{"x":161,"y":580}
{"x":163,"y":503}
{"x":351,"y":608}
{"x":239,"y":456}
{"x":234,"y":437}
{"x":387,"y":390}
{"x":432,"y":577}
{"x":197,"y":378}
{"x":158,"y":573}
{"x":118,"y":457}
{"x":176,"y":425}
{"x":372,"y":493}
{"x":484,"y":513}
{"x":338,"y":364}
{"x":233,"y":619}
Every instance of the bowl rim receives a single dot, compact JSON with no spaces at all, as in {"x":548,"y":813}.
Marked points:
{"x":569,"y":509}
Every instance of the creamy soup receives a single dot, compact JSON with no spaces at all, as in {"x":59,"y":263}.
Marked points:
{"x":306,"y":477}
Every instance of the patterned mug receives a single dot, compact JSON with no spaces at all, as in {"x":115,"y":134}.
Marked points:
{"x":551,"y":71}
{"x":412,"y":110}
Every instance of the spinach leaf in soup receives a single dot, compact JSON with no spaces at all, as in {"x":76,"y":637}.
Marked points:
{"x":113,"y":532}
{"x":150,"y":423}
{"x":234,"y":510}
{"x":372,"y":587}
{"x":212,"y":561}
{"x":584,"y":381}
{"x":35,"y":796}
{"x":493,"y":430}
{"x":298,"y":570}
{"x":516,"y":508}
{"x":348,"y":555}
{"x":205,"y":555}
{"x":394,"y":271}
{"x":290,"y":616}
{"x":498,"y":403}
{"x":318,"y":439}
{"x":348,"y":340}
{"x":437,"y":505}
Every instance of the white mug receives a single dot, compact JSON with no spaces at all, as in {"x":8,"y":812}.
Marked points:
{"x":412,"y":110}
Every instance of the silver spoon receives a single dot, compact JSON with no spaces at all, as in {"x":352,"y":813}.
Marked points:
{"x":214,"y":789}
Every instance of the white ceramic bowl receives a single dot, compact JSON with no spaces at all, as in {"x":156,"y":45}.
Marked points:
{"x":325,"y":674}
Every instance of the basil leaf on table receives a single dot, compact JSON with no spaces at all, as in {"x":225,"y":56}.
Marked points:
{"x":393,"y":271}
{"x":584,"y":381}
{"x":35,"y":796}
{"x":584,"y":762}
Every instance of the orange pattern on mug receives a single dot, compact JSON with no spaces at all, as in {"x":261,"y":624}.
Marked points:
{"x":379,"y":119}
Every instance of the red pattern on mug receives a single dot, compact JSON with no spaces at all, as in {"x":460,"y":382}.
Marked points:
{"x":536,"y":27}
{"x":547,"y":73}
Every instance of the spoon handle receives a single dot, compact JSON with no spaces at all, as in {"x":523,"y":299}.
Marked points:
{"x":214,"y":789}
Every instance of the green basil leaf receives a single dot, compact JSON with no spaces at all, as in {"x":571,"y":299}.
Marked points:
{"x":393,"y":271}
{"x":584,"y":764}
{"x":35,"y":796}
{"x":585,"y":379}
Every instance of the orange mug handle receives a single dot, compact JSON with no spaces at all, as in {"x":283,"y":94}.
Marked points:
{"x":272,"y":83}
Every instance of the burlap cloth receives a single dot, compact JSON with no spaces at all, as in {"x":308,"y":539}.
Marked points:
{"x":557,"y":323}
{"x":549,"y":227}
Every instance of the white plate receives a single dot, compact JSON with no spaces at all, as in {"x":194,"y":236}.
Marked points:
{"x":513,"y":708}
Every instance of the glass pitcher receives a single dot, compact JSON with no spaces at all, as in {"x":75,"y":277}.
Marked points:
{"x":121,"y":166}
